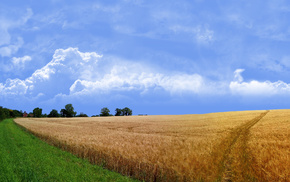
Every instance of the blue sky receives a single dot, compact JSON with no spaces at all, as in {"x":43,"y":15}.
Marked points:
{"x":155,"y":57}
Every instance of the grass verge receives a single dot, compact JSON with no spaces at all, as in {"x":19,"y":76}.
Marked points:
{"x":23,"y":157}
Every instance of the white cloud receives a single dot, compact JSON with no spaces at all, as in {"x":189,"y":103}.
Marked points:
{"x":182,"y":83}
{"x":16,"y":64}
{"x":257,"y":88}
{"x":143,"y":82}
{"x":75,"y":72}
{"x":19,"y":62}
{"x":238,"y":77}
{"x":13,"y":87}
{"x":9,"y":45}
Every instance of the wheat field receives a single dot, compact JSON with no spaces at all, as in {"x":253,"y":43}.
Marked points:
{"x":270,"y":146}
{"x":229,"y":146}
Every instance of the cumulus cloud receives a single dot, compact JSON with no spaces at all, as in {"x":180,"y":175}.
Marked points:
{"x":75,"y":73}
{"x":13,"y":87}
{"x":256,"y":88}
{"x":144,"y":82}
{"x":72,"y":72}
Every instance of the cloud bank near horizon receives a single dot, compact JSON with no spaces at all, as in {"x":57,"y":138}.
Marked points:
{"x":257,"y":88}
{"x":75,"y":73}
{"x":72,"y":72}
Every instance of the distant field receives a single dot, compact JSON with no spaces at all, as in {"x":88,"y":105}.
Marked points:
{"x":230,"y":146}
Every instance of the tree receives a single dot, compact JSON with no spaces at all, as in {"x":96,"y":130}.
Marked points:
{"x":63,"y":113}
{"x":53,"y":113}
{"x":118,"y":112}
{"x":6,"y":113}
{"x":37,"y":112}
{"x":17,"y":113}
{"x":126,"y":111}
{"x":2,"y":113}
{"x":105,"y":112}
{"x":68,"y":111}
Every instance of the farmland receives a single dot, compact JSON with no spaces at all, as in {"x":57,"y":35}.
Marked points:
{"x":23,"y":157}
{"x":230,"y":146}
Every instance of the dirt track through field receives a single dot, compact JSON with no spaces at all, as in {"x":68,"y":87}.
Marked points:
{"x":234,"y":155}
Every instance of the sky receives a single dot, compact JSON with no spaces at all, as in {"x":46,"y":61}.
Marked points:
{"x":155,"y":57}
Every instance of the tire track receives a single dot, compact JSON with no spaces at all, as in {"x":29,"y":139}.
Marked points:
{"x":234,"y":163}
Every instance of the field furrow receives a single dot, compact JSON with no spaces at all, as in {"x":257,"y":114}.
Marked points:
{"x":234,"y":164}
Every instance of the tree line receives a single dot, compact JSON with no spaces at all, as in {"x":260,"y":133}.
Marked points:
{"x":9,"y":113}
{"x":118,"y":112}
{"x":67,"y":111}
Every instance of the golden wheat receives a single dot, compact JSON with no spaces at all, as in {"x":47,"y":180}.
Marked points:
{"x":270,"y":147}
{"x":209,"y":147}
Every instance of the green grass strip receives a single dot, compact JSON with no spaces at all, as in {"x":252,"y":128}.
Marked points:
{"x":23,"y":157}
